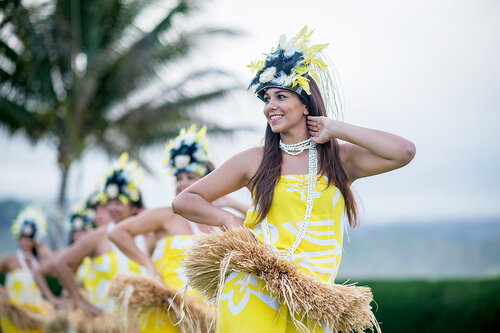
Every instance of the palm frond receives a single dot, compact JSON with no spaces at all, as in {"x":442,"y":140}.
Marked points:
{"x":15,"y":118}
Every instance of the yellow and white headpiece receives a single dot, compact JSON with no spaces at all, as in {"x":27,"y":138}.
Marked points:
{"x":188,"y":152}
{"x":30,"y":222}
{"x":80,"y":220}
{"x":289,"y":66}
{"x":122,"y":182}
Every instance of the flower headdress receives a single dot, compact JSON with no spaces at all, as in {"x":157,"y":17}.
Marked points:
{"x":95,"y":199}
{"x":121,"y":182}
{"x":30,"y":222}
{"x":188,"y":152}
{"x":289,"y":67}
{"x":80,"y":220}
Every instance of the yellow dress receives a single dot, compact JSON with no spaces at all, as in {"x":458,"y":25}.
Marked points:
{"x":167,"y":257}
{"x":22,"y":290}
{"x":244,"y":298}
{"x":82,"y":275}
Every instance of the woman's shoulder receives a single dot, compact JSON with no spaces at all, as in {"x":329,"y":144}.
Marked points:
{"x":8,"y":262}
{"x":254,"y":152}
{"x":248,"y":159}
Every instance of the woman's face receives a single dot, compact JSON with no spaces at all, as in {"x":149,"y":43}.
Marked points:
{"x":26,"y":243}
{"x":76,"y":235}
{"x":118,"y":211}
{"x":283,"y":110}
{"x":101,"y":216}
{"x":184,"y":180}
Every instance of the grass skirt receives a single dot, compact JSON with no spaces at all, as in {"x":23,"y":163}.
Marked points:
{"x":344,"y":308}
{"x":137,"y":295}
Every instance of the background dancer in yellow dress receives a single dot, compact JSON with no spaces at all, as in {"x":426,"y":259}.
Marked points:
{"x":187,"y":161}
{"x":84,"y":217}
{"x":20,"y":285}
{"x":122,"y":199}
{"x":300,"y":181}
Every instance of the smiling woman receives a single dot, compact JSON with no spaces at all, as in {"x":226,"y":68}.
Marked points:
{"x":300,"y":183}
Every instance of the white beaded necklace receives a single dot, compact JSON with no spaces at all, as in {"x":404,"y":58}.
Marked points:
{"x":295,"y":149}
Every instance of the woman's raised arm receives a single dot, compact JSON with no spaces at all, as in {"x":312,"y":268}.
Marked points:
{"x":367,"y":152}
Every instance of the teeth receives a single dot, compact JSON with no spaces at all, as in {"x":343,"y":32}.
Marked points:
{"x":275,"y":117}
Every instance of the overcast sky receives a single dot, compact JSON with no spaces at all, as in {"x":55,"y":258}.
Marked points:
{"x":427,"y":70}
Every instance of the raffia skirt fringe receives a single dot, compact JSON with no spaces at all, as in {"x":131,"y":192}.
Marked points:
{"x":139,"y":294}
{"x":21,"y":317}
{"x":58,"y":321}
{"x":344,"y":308}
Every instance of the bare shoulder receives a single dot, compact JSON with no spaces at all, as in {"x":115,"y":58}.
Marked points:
{"x":92,"y":238}
{"x":8,"y":262}
{"x":249,"y":160}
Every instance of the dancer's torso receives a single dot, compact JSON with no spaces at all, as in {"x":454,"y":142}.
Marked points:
{"x":169,"y":254}
{"x":320,"y":252}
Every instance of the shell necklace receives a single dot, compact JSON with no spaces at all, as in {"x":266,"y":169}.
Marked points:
{"x":295,"y":149}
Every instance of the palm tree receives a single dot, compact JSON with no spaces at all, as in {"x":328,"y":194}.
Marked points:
{"x":87,"y":74}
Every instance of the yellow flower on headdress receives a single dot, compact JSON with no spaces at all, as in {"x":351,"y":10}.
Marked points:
{"x":188,"y":152}
{"x":290,"y":64}
{"x":122,"y":182}
{"x":30,"y":222}
{"x":80,"y":218}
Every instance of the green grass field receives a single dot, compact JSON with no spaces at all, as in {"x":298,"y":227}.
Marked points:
{"x":437,"y":306}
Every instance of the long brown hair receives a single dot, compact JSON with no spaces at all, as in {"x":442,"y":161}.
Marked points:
{"x":264,"y":181}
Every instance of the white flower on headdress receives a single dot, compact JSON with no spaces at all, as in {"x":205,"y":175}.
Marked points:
{"x":91,"y":213}
{"x":190,"y":137}
{"x":267,"y":75}
{"x":112,"y":191}
{"x":199,"y":154}
{"x":177,"y":143}
{"x":181,"y":161}
{"x":78,"y":223}
{"x":35,"y":215}
{"x":27,"y":230}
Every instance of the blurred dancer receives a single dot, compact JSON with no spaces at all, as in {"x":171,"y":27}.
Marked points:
{"x":187,"y":161}
{"x":122,"y":199}
{"x":20,"y":286}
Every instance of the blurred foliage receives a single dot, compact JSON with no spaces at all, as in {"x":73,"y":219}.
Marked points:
{"x":436,"y":306}
{"x":115,"y":75}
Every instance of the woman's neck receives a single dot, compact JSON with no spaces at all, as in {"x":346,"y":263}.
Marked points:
{"x":292,"y":139}
{"x":295,"y":135}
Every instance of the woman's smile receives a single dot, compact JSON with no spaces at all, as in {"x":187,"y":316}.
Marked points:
{"x":275,"y":117}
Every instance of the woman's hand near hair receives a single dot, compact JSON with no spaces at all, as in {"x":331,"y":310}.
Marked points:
{"x":321,"y":129}
{"x":367,"y":151}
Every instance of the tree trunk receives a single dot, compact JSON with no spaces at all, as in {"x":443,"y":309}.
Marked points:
{"x":57,"y":234}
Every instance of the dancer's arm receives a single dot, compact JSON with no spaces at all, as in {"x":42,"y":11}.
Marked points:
{"x":67,"y":261}
{"x":194,"y":203}
{"x":230,"y":202}
{"x":124,"y":232}
{"x":367,"y":151}
{"x":46,"y":268}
